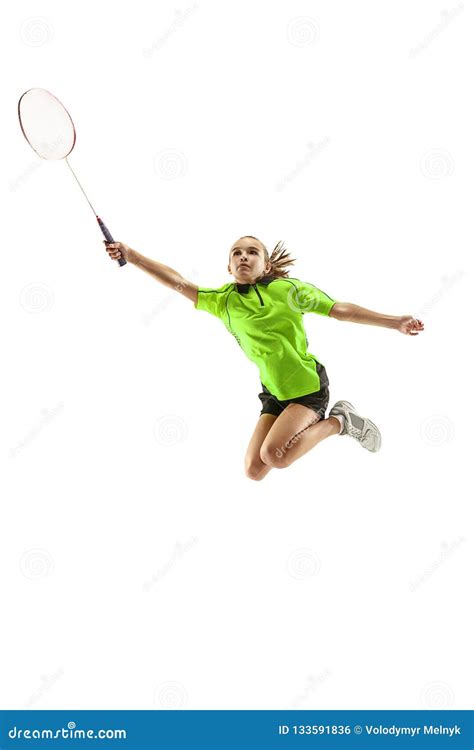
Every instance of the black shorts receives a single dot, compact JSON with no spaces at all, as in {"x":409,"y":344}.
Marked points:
{"x":317,"y":401}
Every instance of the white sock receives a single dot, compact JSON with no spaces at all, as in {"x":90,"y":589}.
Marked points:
{"x":341,"y":422}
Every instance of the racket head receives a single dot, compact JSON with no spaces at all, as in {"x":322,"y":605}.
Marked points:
{"x":46,"y":124}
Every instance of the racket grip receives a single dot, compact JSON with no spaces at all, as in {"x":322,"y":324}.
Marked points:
{"x":109,"y":238}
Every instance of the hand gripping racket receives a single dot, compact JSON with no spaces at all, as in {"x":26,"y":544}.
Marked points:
{"x":50,"y":131}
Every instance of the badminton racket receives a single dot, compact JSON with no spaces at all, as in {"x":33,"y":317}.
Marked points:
{"x":49,"y":129}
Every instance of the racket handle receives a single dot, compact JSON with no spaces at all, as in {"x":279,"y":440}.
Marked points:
{"x":109,"y":238}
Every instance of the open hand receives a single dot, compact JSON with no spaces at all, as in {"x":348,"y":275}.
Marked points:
{"x":409,"y":325}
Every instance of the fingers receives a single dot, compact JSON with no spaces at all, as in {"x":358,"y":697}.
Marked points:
{"x":113,"y":249}
{"x":413,"y":326}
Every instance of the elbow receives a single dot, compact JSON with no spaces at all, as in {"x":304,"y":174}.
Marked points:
{"x":339,"y":311}
{"x":344,"y":311}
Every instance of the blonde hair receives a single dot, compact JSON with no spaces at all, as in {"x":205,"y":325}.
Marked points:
{"x":279,"y":259}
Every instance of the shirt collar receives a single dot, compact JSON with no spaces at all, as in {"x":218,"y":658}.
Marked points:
{"x":265,"y":280}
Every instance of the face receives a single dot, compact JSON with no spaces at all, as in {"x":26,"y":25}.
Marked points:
{"x":247,"y":260}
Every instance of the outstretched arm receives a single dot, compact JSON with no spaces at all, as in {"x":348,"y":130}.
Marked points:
{"x":164,"y":274}
{"x":355,"y":314}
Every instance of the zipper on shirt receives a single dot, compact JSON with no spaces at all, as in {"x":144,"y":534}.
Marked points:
{"x":258,"y":293}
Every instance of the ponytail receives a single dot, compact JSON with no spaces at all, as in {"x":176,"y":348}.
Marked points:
{"x":280,"y":259}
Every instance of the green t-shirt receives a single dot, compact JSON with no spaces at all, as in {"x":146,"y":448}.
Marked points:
{"x":266,"y":318}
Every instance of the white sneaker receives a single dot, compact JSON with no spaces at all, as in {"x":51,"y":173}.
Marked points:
{"x":360,"y":428}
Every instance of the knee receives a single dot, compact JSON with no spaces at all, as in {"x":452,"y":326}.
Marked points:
{"x":274,"y":456}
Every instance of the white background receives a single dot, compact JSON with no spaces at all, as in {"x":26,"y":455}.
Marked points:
{"x":140,"y":567}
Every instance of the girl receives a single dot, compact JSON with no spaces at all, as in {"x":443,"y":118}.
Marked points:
{"x":263,"y":308}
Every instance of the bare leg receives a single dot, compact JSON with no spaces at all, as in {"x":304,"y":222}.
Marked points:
{"x":254,"y":466}
{"x":295,"y":432}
